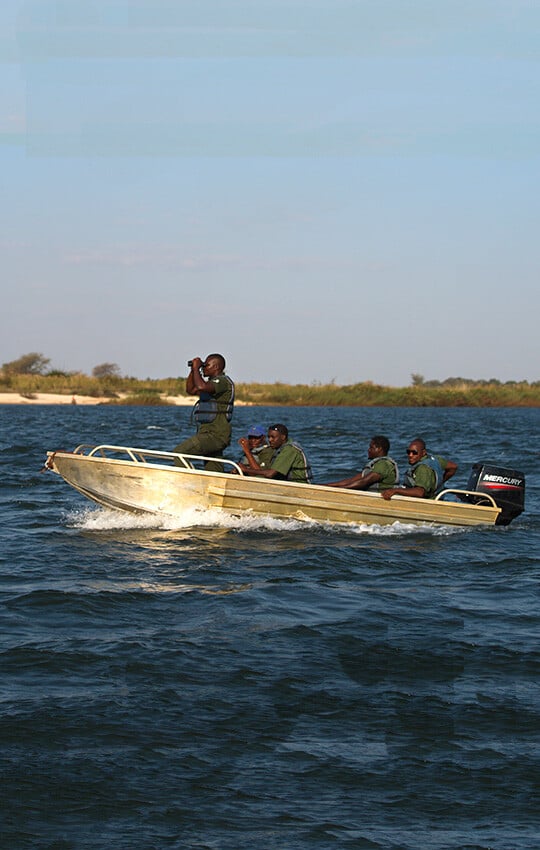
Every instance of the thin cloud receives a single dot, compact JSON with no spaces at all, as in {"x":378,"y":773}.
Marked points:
{"x":171,"y":258}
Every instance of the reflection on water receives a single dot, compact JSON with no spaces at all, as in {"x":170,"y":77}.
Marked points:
{"x":157,"y":587}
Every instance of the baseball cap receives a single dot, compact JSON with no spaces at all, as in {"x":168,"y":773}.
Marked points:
{"x":256,"y":431}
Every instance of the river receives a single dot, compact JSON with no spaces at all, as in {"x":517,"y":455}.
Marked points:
{"x":252,"y":683}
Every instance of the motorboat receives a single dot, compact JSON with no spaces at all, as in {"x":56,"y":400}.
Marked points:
{"x":166,"y":484}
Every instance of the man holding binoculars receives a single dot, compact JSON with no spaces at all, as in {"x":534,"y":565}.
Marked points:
{"x":212,"y":412}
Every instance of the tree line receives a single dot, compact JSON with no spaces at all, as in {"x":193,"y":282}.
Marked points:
{"x":35,"y":363}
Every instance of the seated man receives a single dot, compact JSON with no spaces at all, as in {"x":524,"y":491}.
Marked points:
{"x":256,"y":443}
{"x":425,"y":475}
{"x":288,"y":461}
{"x":379,"y":474}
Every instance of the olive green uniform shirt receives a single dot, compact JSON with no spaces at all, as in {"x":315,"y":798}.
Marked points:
{"x":386,"y":469}
{"x":220,"y":427}
{"x":263,"y":456}
{"x":425,"y":477}
{"x":290,"y":463}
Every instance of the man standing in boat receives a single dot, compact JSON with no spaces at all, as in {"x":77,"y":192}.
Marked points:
{"x":212,"y":412}
{"x":426,"y":473}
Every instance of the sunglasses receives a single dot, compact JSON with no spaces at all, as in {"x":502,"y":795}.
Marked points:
{"x":412,"y":452}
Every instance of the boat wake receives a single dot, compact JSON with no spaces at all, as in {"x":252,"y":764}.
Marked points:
{"x":103,"y":519}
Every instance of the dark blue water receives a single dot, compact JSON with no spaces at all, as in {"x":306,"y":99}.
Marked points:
{"x":266,"y":684}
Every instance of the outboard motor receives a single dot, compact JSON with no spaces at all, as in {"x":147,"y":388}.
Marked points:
{"x":505,"y":486}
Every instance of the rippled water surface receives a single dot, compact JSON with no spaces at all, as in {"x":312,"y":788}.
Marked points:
{"x":263,"y":684}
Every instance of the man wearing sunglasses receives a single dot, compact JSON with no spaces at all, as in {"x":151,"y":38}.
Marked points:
{"x":426,"y":473}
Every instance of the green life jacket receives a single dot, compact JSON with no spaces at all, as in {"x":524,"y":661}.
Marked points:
{"x":369,"y":468}
{"x":427,"y":460}
{"x":208,"y":406}
{"x":298,"y":447}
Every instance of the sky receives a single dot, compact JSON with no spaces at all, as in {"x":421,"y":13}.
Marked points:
{"x":321,"y":190}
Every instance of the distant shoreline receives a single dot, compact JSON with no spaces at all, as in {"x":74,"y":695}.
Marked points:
{"x":76,"y":399}
{"x":281,"y":395}
{"x":59,"y":398}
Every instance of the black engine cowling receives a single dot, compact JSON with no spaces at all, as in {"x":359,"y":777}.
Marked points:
{"x":505,"y":486}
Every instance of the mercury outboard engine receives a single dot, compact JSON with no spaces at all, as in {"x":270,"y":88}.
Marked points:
{"x":505,"y":486}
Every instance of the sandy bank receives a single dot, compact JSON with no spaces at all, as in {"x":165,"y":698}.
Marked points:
{"x":57,"y":398}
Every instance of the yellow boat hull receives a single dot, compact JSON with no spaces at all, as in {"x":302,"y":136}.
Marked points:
{"x":143,"y":481}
